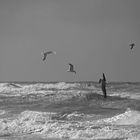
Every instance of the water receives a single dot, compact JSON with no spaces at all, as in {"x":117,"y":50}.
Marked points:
{"x":59,"y":110}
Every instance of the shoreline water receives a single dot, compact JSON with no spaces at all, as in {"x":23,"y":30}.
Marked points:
{"x":69,"y":111}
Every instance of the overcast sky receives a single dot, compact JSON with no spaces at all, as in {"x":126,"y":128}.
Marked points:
{"x":94,"y":35}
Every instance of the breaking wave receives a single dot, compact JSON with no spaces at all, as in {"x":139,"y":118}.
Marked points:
{"x":72,"y":126}
{"x":15,"y":89}
{"x":70,"y":110}
{"x":130,"y":117}
{"x":60,"y":85}
{"x":127,"y":94}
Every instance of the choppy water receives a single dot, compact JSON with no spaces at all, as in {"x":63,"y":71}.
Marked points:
{"x":69,"y":111}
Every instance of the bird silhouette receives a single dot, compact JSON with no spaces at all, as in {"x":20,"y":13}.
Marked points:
{"x":131,"y":46}
{"x":71,"y":68}
{"x":45,"y":54}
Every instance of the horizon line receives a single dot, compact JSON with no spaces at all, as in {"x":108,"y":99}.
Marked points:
{"x":10,"y":81}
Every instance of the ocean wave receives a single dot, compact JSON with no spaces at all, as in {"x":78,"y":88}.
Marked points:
{"x":127,"y":94}
{"x":2,"y":112}
{"x":59,"y":85}
{"x":129,"y":117}
{"x":53,"y":125}
{"x":14,"y":89}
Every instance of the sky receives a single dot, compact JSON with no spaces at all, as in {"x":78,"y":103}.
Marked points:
{"x":94,"y":35}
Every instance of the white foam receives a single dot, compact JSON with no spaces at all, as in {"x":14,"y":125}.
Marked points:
{"x":129,"y":95}
{"x":46,"y":124}
{"x":130,"y":117}
{"x":17,"y":89}
{"x":2,"y":112}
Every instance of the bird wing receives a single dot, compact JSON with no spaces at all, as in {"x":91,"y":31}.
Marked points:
{"x":71,"y":67}
{"x":132,"y":46}
{"x":44,"y":57}
{"x":49,"y":52}
{"x":46,"y":53}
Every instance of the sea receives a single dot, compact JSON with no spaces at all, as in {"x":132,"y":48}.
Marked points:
{"x":69,"y":111}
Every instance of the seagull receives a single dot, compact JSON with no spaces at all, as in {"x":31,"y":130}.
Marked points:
{"x":46,"y":53}
{"x":71,"y":68}
{"x":132,"y":46}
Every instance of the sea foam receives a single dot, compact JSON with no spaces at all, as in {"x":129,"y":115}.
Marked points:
{"x":129,"y":117}
{"x":53,"y":125}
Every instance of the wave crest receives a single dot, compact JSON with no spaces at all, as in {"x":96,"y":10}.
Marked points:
{"x":46,"y":124}
{"x":14,"y":89}
{"x":130,"y":117}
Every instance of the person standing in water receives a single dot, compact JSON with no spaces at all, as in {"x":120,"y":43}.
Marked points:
{"x":103,"y":85}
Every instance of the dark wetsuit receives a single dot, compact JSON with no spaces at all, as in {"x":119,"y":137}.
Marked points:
{"x":103,"y":85}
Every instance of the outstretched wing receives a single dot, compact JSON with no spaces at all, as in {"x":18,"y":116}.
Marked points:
{"x":46,"y":53}
{"x":49,"y":52}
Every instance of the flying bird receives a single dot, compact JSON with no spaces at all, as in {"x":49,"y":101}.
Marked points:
{"x":71,"y":68}
{"x":132,"y":46}
{"x":47,"y":53}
